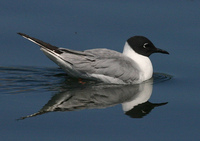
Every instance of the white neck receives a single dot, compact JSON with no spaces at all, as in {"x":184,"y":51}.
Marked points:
{"x":144,"y":63}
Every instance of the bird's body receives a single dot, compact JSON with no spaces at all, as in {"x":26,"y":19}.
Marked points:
{"x":130,"y":67}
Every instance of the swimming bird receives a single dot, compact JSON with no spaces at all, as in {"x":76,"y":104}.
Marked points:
{"x":133,"y":66}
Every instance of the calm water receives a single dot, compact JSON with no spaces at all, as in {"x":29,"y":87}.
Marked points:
{"x":40,"y":102}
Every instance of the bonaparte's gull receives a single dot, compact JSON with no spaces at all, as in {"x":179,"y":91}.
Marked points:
{"x":133,"y":66}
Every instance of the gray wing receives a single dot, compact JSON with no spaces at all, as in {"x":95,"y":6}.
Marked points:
{"x":103,"y":61}
{"x":95,"y":61}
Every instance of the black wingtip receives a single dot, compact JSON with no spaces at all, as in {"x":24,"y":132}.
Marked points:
{"x":19,"y":33}
{"x":22,"y":34}
{"x":41,"y":43}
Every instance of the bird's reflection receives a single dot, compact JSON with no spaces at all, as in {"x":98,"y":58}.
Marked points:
{"x":134,"y":99}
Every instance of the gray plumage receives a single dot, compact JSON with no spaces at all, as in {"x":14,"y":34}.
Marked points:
{"x":102,"y":61}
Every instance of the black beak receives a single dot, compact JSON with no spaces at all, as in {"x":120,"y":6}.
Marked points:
{"x":161,"y":51}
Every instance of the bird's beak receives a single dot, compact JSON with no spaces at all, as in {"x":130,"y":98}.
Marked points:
{"x":161,"y":51}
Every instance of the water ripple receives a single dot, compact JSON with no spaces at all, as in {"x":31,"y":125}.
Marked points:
{"x":14,"y":80}
{"x":23,"y":79}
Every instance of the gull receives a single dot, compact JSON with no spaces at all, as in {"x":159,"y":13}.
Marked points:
{"x":132,"y":66}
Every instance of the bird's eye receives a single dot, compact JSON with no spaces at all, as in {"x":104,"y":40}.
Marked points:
{"x":145,"y":45}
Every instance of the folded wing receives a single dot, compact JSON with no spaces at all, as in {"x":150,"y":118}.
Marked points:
{"x":94,"y":63}
{"x":103,"y":62}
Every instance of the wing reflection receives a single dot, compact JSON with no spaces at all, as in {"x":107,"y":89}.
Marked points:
{"x":134,"y":99}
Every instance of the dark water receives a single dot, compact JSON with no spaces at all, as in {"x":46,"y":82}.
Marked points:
{"x":39,"y":91}
{"x":39,"y":101}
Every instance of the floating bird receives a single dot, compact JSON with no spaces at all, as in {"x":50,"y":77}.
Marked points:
{"x":133,"y":66}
